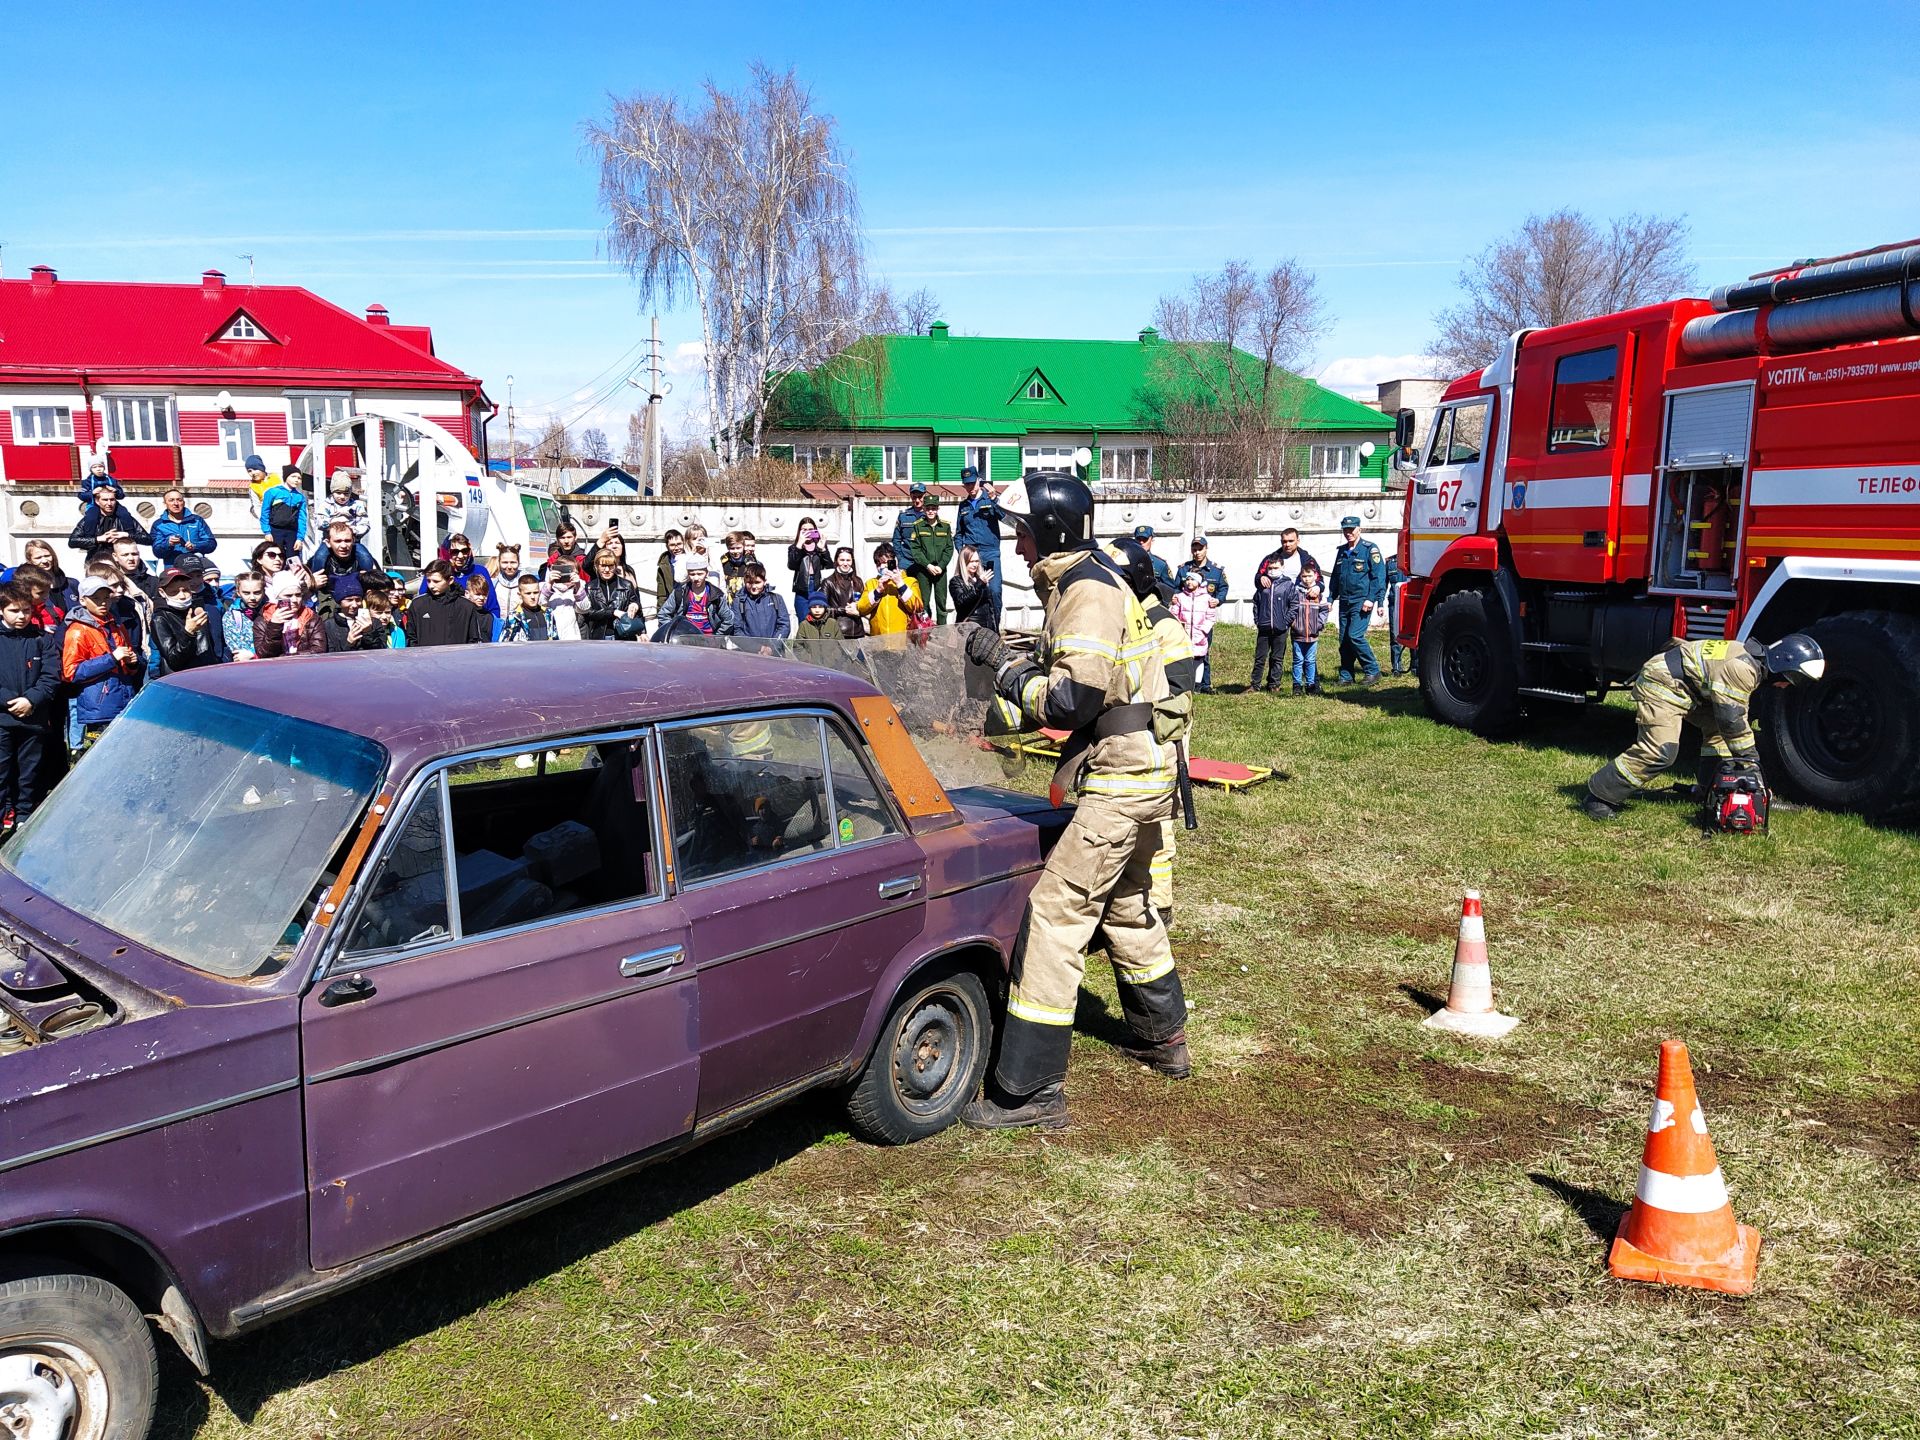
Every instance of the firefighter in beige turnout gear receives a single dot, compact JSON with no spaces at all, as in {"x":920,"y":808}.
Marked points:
{"x":1706,"y":683}
{"x":1097,"y":673}
{"x":1176,"y":711}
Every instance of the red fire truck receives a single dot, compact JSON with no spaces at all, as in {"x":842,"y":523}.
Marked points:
{"x":1746,"y":465}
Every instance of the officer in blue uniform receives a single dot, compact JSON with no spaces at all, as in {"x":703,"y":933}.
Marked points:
{"x":904,"y":522}
{"x":1359,"y":583}
{"x":978,"y":525}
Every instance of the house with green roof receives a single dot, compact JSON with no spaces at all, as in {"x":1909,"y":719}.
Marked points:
{"x":906,"y":408}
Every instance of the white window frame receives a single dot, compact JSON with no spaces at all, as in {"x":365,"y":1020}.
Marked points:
{"x":1036,"y":390}
{"x":28,"y":421}
{"x":141,"y":420}
{"x":896,"y":464}
{"x":808,"y":456}
{"x":1139,"y":463}
{"x":980,"y":457}
{"x":1335,"y":461}
{"x":1036,"y":457}
{"x":300,"y":403}
{"x":243,"y":327}
{"x":236,"y":440}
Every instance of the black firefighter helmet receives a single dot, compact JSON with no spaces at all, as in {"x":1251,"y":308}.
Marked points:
{"x":1796,"y":658}
{"x":1056,"y":509}
{"x":1136,"y":566}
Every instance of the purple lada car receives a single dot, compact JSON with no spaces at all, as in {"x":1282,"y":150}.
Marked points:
{"x":314,"y":967}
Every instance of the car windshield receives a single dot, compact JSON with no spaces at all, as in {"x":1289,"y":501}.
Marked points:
{"x":201,"y":828}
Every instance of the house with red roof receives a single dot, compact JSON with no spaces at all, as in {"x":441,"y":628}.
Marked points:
{"x":180,"y":383}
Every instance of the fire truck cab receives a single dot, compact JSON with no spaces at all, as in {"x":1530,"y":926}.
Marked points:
{"x":1742,"y":466}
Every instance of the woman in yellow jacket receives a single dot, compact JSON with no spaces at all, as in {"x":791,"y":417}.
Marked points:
{"x":891,"y":597}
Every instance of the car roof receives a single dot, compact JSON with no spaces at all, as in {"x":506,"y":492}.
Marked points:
{"x":423,"y":702}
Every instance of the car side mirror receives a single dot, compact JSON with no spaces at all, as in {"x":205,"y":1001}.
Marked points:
{"x":1403,"y":430}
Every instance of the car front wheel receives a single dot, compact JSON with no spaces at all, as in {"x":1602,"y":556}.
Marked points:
{"x":927,"y":1063}
{"x":76,"y":1361}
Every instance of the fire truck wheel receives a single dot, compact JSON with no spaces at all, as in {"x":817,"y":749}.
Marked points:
{"x":1468,"y":674}
{"x":1852,"y":740}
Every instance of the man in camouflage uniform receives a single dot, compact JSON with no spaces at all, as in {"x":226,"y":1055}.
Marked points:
{"x":1097,"y":673}
{"x":1706,"y":683}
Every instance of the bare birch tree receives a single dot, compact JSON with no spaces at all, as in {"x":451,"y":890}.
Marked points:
{"x":1556,"y":268}
{"x":594,"y":446}
{"x":742,"y":203}
{"x":1225,"y":389}
{"x":554,"y":448}
{"x":633,"y":454}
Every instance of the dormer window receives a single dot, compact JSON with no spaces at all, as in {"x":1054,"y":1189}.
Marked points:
{"x":1037,"y":390}
{"x":1036,"y":387}
{"x":244,"y":328}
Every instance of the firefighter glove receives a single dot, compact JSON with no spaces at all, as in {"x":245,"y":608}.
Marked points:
{"x":985,"y":647}
{"x":1012,"y":678}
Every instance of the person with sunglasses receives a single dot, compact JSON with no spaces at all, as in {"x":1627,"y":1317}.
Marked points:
{"x":461,"y":563}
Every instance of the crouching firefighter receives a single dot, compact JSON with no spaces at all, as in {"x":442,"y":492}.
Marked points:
{"x":1096,"y":672}
{"x":1708,"y":684}
{"x":1173,"y":717}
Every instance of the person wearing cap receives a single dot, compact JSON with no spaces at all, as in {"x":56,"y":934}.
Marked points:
{"x":342,"y":502}
{"x":337,"y":565}
{"x":97,"y":475}
{"x":1359,"y":585}
{"x":209,"y":593}
{"x":908,"y":517}
{"x":283,"y":511}
{"x":930,"y":556}
{"x":104,"y":521}
{"x":258,"y":483}
{"x":696,"y":606}
{"x":98,"y":660}
{"x":179,"y":532}
{"x":1212,"y":577}
{"x":184,"y":631}
{"x":1162,"y":572}
{"x":977,"y":523}
{"x":816,"y":621}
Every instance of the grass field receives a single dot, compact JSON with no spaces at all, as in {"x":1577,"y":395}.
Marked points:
{"x":1342,"y":1225}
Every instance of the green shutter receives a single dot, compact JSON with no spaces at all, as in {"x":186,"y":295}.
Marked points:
{"x":1003,"y":464}
{"x":1374,"y":466}
{"x":921,"y":465}
{"x":952,"y":460}
{"x":781,"y":452}
{"x":1093,"y":465}
{"x":867,"y":460}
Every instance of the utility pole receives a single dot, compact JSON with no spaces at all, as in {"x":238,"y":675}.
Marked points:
{"x":653,"y":413}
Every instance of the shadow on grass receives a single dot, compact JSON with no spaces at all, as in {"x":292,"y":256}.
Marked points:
{"x":1425,"y":999}
{"x":366,"y":1322}
{"x":1598,"y":1211}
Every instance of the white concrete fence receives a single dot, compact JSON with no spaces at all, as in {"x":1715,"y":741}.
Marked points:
{"x":1239,"y":531}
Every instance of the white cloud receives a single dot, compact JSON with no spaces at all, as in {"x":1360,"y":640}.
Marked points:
{"x":1360,"y":374}
{"x":689,"y":357}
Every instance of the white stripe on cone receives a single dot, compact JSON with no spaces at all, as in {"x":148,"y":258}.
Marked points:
{"x":1469,"y":1008}
{"x":1682,"y":1194}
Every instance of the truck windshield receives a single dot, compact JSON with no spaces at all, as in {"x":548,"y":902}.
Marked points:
{"x":201,"y":828}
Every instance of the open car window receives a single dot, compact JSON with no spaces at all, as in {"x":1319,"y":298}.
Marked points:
{"x":746,"y":793}
{"x":503,"y":841}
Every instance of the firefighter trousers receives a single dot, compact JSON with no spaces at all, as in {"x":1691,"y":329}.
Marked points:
{"x":1661,"y":710}
{"x":1099,"y":876}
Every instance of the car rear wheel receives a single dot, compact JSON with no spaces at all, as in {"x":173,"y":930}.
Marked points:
{"x":76,"y":1361}
{"x":1850,"y":741}
{"x":1468,"y":673}
{"x":928,"y":1061}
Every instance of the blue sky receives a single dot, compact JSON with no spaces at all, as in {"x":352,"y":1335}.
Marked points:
{"x":1045,"y":169}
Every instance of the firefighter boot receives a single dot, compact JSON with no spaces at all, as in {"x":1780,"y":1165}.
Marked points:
{"x":993,"y":1109}
{"x":1165,"y":1057}
{"x":1594,"y":808}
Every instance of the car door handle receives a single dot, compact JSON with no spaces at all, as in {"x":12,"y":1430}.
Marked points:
{"x":894,"y":889}
{"x":1469,"y":504}
{"x":652,"y":962}
{"x":346,"y":990}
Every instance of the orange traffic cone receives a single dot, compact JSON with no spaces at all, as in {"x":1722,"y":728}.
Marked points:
{"x":1681,"y":1230}
{"x":1469,"y":1008}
